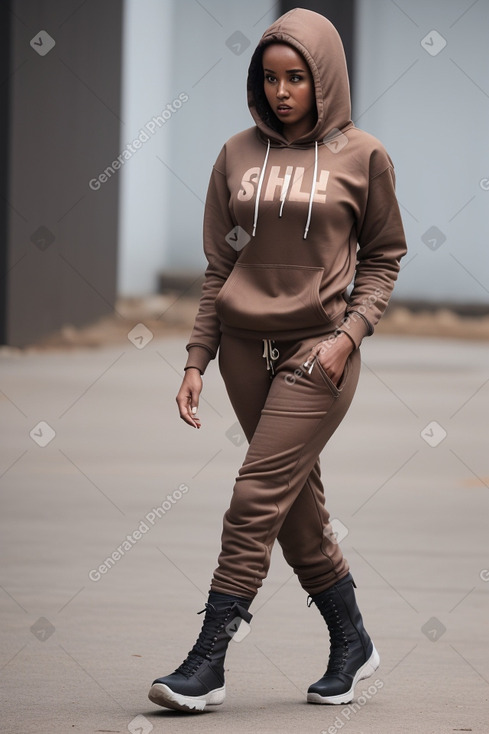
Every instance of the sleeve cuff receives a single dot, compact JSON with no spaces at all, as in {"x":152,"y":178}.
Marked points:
{"x":198,"y":357}
{"x":356,"y":326}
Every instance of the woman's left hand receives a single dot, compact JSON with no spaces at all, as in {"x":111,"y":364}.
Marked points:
{"x":332,"y":353}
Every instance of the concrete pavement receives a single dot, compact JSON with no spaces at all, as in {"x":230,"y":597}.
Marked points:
{"x":110,"y":525}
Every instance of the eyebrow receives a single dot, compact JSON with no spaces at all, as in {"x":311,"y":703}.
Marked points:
{"x":287,"y":71}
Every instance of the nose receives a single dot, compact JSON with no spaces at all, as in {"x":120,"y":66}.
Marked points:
{"x":282,"y":91}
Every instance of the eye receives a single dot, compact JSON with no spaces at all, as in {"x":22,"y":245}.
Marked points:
{"x":269,"y":78}
{"x":296,"y":78}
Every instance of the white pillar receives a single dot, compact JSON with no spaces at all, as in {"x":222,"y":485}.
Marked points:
{"x":147,"y":89}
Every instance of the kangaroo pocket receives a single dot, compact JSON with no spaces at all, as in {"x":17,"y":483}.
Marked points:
{"x":273,"y":298}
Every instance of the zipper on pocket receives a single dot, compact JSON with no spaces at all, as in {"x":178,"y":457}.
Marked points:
{"x":336,"y":392}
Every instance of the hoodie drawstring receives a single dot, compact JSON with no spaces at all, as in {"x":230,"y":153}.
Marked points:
{"x":270,"y":354}
{"x":258,"y":191}
{"x":285,"y":188}
{"x":313,"y":188}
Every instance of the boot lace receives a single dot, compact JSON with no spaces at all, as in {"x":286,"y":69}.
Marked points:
{"x":214,"y":623}
{"x":338,"y":639}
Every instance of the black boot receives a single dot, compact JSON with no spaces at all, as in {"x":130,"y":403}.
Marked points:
{"x":352,"y":656}
{"x":199,"y":680}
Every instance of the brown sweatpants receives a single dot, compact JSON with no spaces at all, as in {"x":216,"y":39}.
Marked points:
{"x":278,"y":492}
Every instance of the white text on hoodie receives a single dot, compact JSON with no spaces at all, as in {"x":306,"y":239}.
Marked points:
{"x":292,"y":176}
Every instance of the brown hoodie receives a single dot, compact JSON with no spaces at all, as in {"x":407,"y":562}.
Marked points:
{"x":289,"y":225}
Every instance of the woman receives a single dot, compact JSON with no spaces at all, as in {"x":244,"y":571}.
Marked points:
{"x":289,"y":201}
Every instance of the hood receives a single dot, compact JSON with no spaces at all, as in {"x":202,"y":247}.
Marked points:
{"x":316,"y":38}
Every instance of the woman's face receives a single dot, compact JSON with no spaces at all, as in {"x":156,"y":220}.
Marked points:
{"x":289,"y":89}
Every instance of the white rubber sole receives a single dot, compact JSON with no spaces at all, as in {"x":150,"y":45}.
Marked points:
{"x":365,"y":671}
{"x":162,"y":695}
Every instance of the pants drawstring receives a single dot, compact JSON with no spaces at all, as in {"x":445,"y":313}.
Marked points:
{"x":270,"y":354}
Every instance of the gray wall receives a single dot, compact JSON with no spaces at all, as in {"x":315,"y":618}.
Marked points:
{"x":215,"y":77}
{"x":145,"y":183}
{"x":432,"y":114}
{"x":61,"y":241}
{"x":170,"y":49}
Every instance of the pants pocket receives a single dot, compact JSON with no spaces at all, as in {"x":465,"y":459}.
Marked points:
{"x":334,"y":389}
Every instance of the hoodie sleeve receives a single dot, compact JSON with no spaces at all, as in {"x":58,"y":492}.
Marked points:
{"x":205,"y":337}
{"x":382,"y":244}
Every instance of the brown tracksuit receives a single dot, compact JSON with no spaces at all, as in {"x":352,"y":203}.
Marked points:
{"x":287,"y":228}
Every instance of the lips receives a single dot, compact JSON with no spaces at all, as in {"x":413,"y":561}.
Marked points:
{"x":283,"y":109}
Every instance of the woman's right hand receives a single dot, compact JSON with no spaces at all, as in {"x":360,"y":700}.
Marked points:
{"x":188,"y":397}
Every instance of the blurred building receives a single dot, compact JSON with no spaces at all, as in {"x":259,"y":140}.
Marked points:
{"x":112,"y":114}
